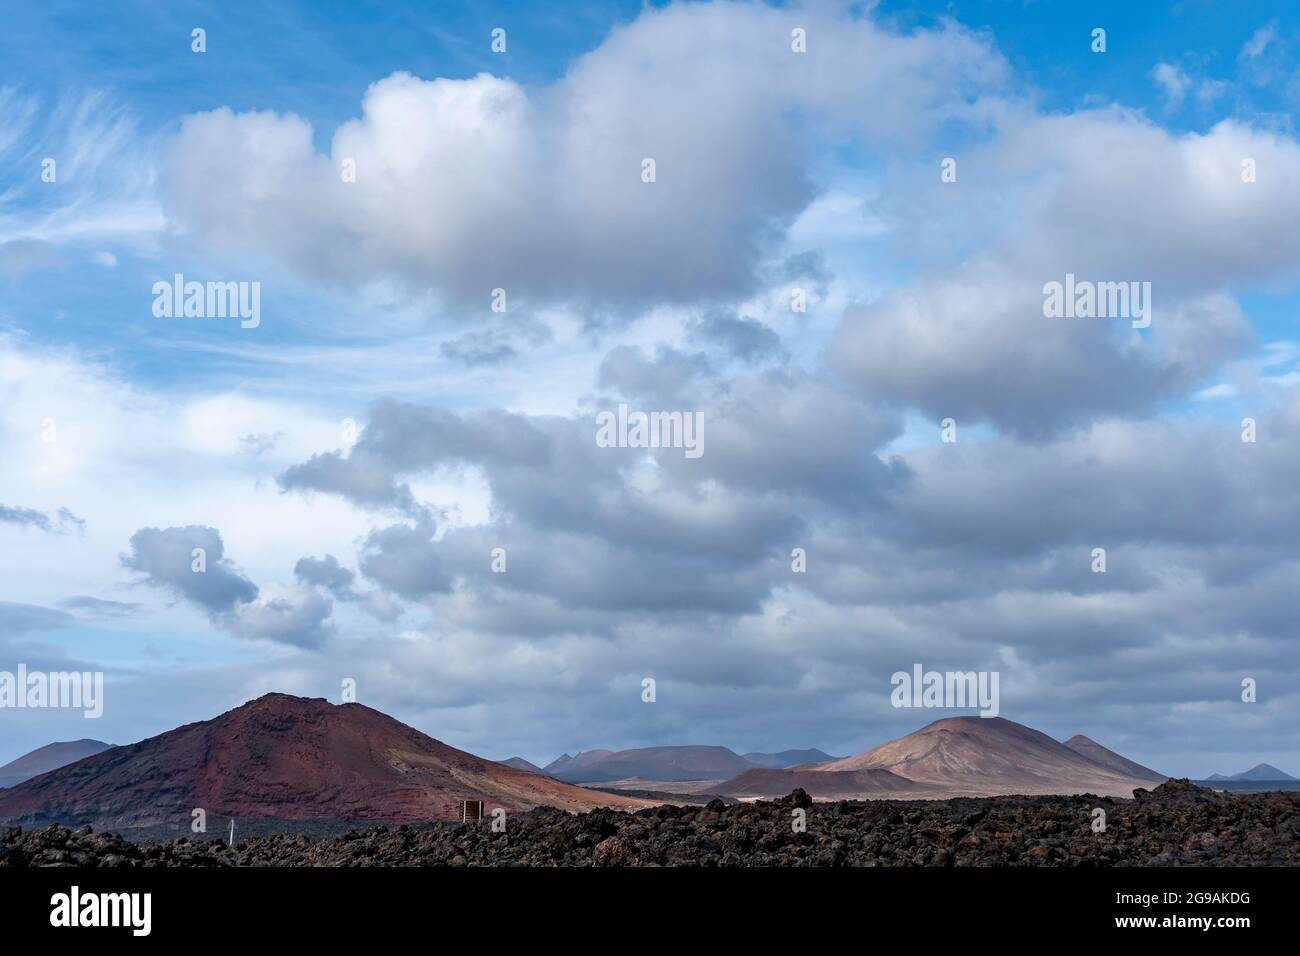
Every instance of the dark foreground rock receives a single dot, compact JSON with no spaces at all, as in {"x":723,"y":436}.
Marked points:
{"x":1176,"y":824}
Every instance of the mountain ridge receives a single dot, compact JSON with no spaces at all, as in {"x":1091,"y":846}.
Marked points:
{"x":1095,"y":752}
{"x":49,"y":757}
{"x":286,"y":757}
{"x":671,"y":763}
{"x":1261,"y":771}
{"x":785,"y":759}
{"x":987,"y":756}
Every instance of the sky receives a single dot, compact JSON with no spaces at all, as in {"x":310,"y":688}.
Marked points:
{"x":461,"y":260}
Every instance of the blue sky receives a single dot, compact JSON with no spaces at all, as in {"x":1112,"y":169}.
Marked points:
{"x":520,"y":170}
{"x":316,"y":61}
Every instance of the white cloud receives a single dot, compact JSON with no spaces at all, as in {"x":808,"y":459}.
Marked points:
{"x":1259,"y":41}
{"x":123,"y":458}
{"x":1173,"y":82}
{"x":469,"y":185}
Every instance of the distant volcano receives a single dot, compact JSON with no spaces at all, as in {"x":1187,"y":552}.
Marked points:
{"x":293,"y":758}
{"x":960,"y":756}
{"x":649,"y":763}
{"x":1263,"y":771}
{"x":991,"y":755}
{"x":47,"y":758}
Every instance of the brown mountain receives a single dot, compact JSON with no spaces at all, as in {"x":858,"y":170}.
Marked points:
{"x":1108,"y":758}
{"x":987,"y":756}
{"x":651,"y":763}
{"x":283,"y":757}
{"x":49,"y":757}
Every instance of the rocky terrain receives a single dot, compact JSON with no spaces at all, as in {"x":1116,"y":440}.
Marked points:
{"x":1177,"y":824}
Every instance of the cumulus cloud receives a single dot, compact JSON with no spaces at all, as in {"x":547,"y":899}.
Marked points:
{"x":976,"y":347}
{"x":970,"y":340}
{"x":326,"y":572}
{"x":463,"y":186}
{"x":338,"y":581}
{"x":295,"y":619}
{"x":190,"y":562}
{"x":739,"y":336}
{"x":586,"y":527}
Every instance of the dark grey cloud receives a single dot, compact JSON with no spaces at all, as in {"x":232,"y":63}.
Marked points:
{"x":976,"y":347}
{"x":327,"y":573}
{"x":359,"y":476}
{"x":669,"y":375}
{"x":511,"y":333}
{"x":739,"y":336}
{"x":583,"y":578}
{"x":806,"y":269}
{"x":403,"y":439}
{"x":780,"y":449}
{"x":302,"y":620}
{"x":789,"y":434}
{"x":166,"y":558}
{"x":1159,"y":482}
{"x":404,"y":560}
